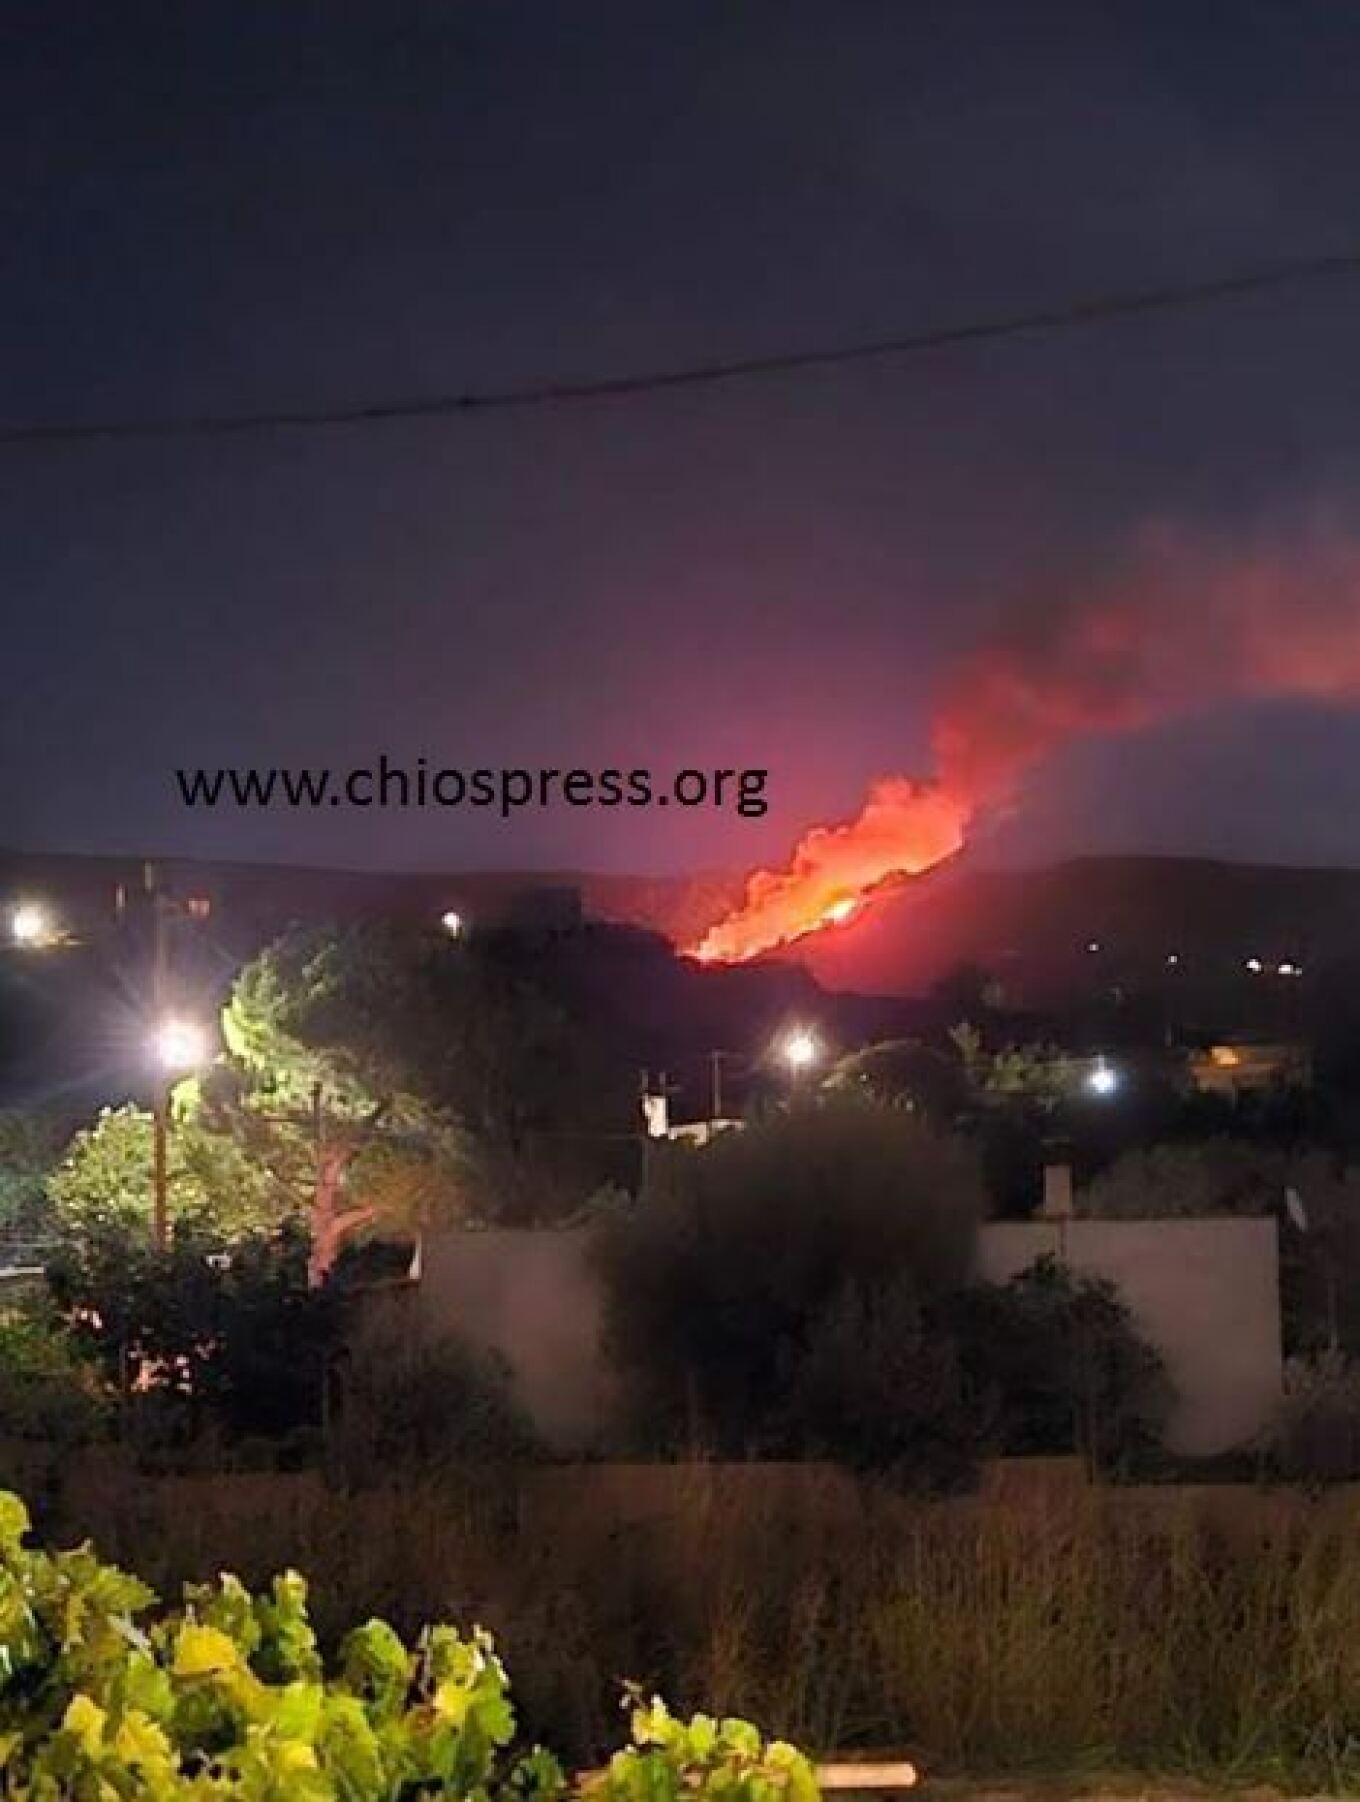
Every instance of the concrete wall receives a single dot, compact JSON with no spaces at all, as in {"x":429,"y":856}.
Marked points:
{"x":1206,"y":1293}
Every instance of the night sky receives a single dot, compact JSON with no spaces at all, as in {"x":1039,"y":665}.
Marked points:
{"x":230,"y":207}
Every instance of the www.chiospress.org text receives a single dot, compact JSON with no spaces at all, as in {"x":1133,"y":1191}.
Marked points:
{"x":505,"y":790}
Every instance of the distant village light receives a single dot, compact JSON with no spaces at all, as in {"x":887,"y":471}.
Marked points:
{"x":452,"y":922}
{"x":1255,"y":965}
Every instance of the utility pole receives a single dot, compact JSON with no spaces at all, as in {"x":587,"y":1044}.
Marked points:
{"x":715,"y":1060}
{"x":160,"y":1107}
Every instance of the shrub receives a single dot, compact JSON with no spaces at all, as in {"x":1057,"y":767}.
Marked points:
{"x":1056,"y":1364}
{"x":31,"y":1141}
{"x":422,"y":1409}
{"x":231,"y":1341}
{"x":1315,"y":1438}
{"x":103,"y":1182}
{"x":880,"y":1388}
{"x":47,"y":1392}
{"x":229,"y":1696}
{"x":718,"y":1281}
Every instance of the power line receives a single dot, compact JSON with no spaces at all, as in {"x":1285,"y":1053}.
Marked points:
{"x":1092,"y":310}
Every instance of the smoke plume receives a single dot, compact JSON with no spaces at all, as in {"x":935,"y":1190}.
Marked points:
{"x":1183,"y":624}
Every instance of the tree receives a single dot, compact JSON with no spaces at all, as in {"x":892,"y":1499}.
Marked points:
{"x":905,"y":1073}
{"x":214,"y":1186}
{"x":334,"y":1045}
{"x":237,"y":1340}
{"x":1056,"y":1364}
{"x":719,"y":1280}
{"x":880,"y":1387}
{"x":1038,"y":1074}
{"x":1214,"y":1176}
{"x":31,"y":1143}
{"x":476,"y":1049}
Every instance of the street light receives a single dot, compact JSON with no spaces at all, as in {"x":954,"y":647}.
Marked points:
{"x":452,"y":922}
{"x":31,"y":925}
{"x":1103,"y":1080}
{"x":799,"y":1050}
{"x":177,"y":1047}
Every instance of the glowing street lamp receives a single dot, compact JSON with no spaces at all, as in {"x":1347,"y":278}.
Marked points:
{"x":452,"y":922}
{"x":31,"y":925}
{"x":799,"y":1050}
{"x":1103,"y":1080}
{"x":177,"y":1047}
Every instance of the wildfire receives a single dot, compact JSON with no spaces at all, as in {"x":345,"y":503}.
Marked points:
{"x":1177,"y":624}
{"x":905,"y":827}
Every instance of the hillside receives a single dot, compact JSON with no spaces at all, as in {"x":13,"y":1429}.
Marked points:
{"x":1031,"y":927}
{"x":1034,"y":928}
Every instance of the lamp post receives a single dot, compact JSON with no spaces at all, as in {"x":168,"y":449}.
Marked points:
{"x":178,"y":1046}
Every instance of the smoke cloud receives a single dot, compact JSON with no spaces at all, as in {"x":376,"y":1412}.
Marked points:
{"x":1183,"y":624}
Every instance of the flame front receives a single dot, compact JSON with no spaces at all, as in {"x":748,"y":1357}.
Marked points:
{"x":1179,"y":623}
{"x":905,"y":827}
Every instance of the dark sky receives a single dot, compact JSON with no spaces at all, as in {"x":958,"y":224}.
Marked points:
{"x":232,"y":206}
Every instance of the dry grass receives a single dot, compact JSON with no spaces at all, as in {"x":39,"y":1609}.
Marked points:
{"x":1087,"y":1633}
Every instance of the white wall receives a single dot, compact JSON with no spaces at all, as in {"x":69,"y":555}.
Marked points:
{"x":1206,"y":1293}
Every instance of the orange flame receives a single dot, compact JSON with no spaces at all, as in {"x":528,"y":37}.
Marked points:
{"x":1180,"y":623}
{"x":904,"y":828}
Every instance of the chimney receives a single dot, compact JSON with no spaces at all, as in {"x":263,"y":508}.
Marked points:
{"x":1057,"y":1201}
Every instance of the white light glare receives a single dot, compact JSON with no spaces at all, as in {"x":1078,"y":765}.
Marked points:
{"x":1255,"y":965}
{"x":452,"y":922}
{"x":1103,"y":1080}
{"x":799,"y":1049}
{"x":31,"y":924}
{"x":180,"y":1045}
{"x":1289,"y":969}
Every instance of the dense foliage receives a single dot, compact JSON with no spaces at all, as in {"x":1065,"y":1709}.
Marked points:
{"x":1053,"y":1363}
{"x":215,"y":1189}
{"x":727,"y":1270}
{"x":31,"y":1142}
{"x":229,"y":1696}
{"x":478,"y":1049}
{"x":804,"y":1289}
{"x":195,"y":1339}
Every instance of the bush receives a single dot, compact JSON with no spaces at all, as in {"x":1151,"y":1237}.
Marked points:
{"x":1316,"y":1435}
{"x":47,"y":1392}
{"x":103,"y":1183}
{"x":719,"y":1281}
{"x":1055,"y":1363}
{"x":202,"y":1340}
{"x":228,"y":1696}
{"x":424,"y":1409}
{"x":880,"y":1389}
